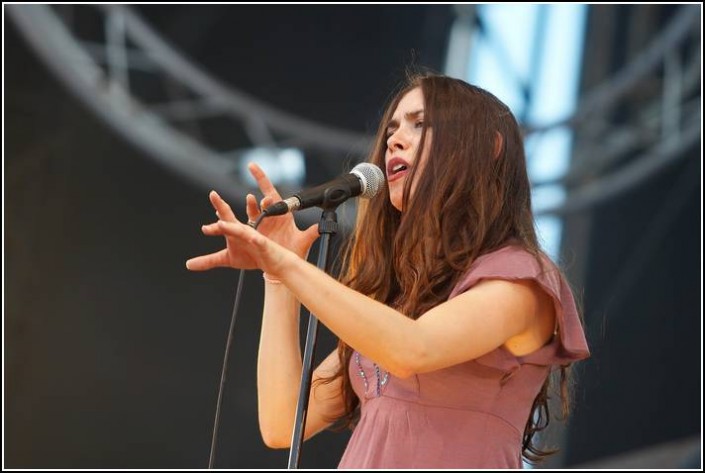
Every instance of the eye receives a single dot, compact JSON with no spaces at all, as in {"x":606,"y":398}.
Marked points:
{"x":419,"y":124}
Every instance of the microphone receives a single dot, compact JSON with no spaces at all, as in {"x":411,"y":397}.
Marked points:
{"x":364,"y":180}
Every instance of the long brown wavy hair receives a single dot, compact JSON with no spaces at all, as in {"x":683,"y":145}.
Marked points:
{"x":468,"y":201}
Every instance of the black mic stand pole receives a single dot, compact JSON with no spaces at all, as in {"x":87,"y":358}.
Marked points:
{"x":327,"y":227}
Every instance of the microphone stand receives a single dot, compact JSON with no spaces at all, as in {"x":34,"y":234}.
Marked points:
{"x":327,"y":227}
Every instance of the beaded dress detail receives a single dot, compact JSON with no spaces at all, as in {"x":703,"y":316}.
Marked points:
{"x":380,"y":379}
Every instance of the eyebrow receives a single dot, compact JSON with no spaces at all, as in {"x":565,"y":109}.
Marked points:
{"x":393,"y":124}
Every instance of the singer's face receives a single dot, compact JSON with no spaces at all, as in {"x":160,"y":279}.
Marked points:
{"x":403,"y":136}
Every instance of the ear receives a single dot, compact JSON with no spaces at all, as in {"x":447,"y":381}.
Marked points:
{"x":498,"y":144}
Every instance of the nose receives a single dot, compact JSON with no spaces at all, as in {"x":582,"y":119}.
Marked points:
{"x":397,"y":141}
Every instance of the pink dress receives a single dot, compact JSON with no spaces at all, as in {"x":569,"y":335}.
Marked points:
{"x":471,"y":415}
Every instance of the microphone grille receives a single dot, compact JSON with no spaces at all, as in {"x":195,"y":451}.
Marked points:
{"x":371,"y":177}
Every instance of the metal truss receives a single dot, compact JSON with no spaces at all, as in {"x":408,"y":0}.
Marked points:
{"x":611,"y":159}
{"x":108,"y":74}
{"x":102,"y":73}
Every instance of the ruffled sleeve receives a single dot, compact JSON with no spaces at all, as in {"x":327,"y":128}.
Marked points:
{"x":515,"y":263}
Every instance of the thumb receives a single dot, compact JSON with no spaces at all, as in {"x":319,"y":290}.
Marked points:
{"x":311,"y":234}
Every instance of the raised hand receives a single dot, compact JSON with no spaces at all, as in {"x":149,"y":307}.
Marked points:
{"x":281,"y":229}
{"x":239,"y":251}
{"x":245,"y":247}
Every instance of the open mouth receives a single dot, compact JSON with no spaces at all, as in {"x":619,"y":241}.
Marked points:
{"x":396,"y":169}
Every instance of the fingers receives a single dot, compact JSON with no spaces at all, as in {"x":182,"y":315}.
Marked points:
{"x":211,"y":229}
{"x":246,"y":249}
{"x":241,"y":231}
{"x":263,"y":182}
{"x":251,"y":208}
{"x":234,"y":229}
{"x":254,"y":210}
{"x":206,"y":262}
{"x":266,"y":202}
{"x":222,"y":209}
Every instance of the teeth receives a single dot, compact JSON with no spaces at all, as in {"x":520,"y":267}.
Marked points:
{"x":398,"y":167}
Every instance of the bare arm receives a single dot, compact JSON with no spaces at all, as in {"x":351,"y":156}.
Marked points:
{"x":279,"y":359}
{"x":464,"y":328}
{"x":461,"y":329}
{"x":279,"y":374}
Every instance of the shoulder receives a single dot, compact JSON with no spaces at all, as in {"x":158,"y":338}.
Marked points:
{"x":512,"y":263}
{"x":545,"y":289}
